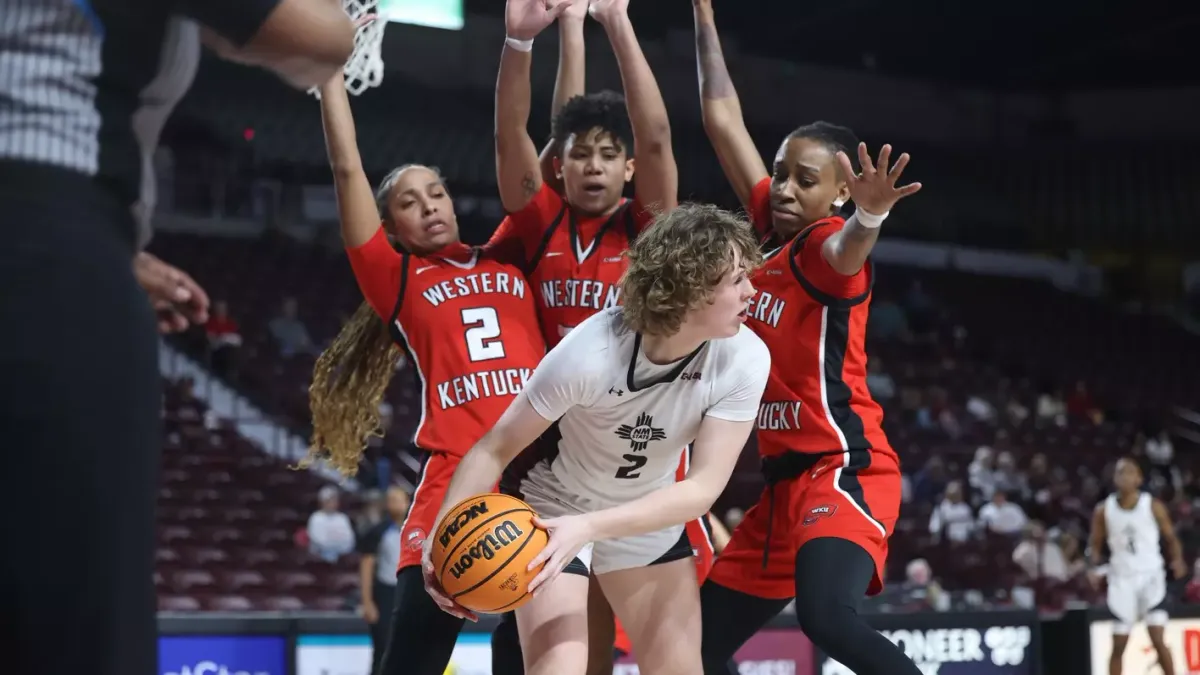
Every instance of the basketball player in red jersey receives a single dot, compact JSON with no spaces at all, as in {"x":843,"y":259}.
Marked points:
{"x":819,"y":532}
{"x":469,"y":326}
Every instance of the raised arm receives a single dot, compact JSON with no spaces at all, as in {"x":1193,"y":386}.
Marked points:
{"x":568,"y":84}
{"x":356,"y":202}
{"x":518,"y":169}
{"x":305,"y":42}
{"x":722,"y":111}
{"x":656,"y":181}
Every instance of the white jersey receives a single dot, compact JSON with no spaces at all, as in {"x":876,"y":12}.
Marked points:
{"x":625,"y":420}
{"x":1133,"y":537}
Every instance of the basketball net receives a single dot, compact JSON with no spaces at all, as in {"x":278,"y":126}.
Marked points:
{"x":364,"y":70}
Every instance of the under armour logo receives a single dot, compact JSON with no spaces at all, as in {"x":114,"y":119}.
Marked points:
{"x":616,"y":391}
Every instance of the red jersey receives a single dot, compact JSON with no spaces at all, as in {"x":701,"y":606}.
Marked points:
{"x":814,"y":321}
{"x":573,"y":263}
{"x":470,"y":329}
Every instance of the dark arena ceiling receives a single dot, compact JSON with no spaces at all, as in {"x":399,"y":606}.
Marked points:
{"x":1019,"y":44}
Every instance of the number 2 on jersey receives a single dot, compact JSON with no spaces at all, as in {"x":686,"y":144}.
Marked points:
{"x":483,"y":334}
{"x":633,"y":468}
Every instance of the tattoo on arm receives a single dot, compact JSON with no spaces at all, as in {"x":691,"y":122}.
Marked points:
{"x":529,"y":184}
{"x":714,"y":76}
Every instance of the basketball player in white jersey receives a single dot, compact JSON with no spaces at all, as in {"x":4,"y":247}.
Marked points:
{"x":1132,"y":523}
{"x":629,"y":387}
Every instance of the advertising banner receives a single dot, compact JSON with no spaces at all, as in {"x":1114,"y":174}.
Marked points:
{"x":770,"y":652}
{"x":1182,"y":638}
{"x":954,"y":644}
{"x":222,"y":655}
{"x":351,"y":655}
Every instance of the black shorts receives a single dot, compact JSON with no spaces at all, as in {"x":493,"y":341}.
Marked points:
{"x":80,"y":419}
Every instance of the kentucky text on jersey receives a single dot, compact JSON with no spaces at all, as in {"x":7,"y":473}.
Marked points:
{"x":474,"y":284}
{"x":779,"y":415}
{"x":466,"y":388}
{"x":584,"y":293}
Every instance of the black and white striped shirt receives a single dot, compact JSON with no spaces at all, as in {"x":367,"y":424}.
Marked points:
{"x":87,"y":85}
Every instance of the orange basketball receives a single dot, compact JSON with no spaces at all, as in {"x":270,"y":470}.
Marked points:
{"x":481,"y":549}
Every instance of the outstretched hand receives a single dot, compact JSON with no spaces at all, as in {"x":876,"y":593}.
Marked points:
{"x":524,"y":19}
{"x":874,"y":190}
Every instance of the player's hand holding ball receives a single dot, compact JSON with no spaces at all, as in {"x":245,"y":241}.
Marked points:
{"x":433,"y":586}
{"x":874,"y":190}
{"x":524,"y":19}
{"x":477,"y":560}
{"x":568,"y":536}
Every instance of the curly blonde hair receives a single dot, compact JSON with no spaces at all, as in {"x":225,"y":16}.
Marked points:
{"x":349,"y":380}
{"x":676,"y":264}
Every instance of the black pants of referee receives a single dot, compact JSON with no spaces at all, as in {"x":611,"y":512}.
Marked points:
{"x":80,"y":433}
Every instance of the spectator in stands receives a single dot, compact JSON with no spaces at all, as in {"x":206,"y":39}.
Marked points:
{"x":1008,"y":478}
{"x":1051,"y":409}
{"x":887,"y":320}
{"x":1017,"y":412}
{"x":930,"y":481}
{"x":1072,"y":555}
{"x":330,"y":534}
{"x":290,"y":333}
{"x":922,"y":310}
{"x":1040,"y":557}
{"x":953,"y":518}
{"x":1001,"y":516}
{"x":1079,"y":405}
{"x":980,"y":409}
{"x":1191,"y":592}
{"x":881,"y":385}
{"x":380,"y":550}
{"x":981,"y":474}
{"x":1161,"y":454}
{"x":372,"y":511}
{"x":224,"y":339}
{"x":1038,"y":479}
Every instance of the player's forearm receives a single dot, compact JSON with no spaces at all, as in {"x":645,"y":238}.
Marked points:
{"x":1174,"y":548}
{"x":518,"y":171}
{"x":717,"y":94}
{"x":366,"y":578}
{"x":570,"y":80}
{"x":337,"y":120}
{"x":675,"y":504}
{"x":847,"y":250}
{"x":647,"y":110}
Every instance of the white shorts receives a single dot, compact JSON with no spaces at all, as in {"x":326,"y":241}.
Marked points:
{"x":1134,"y":598}
{"x":543,"y":491}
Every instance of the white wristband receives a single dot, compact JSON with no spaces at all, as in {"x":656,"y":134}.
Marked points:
{"x":869,"y":220}
{"x":519,"y":45}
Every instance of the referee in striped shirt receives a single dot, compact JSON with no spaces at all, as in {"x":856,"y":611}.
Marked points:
{"x":85,"y":88}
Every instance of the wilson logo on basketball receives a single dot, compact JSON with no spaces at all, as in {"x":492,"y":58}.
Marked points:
{"x":818,"y":512}
{"x":461,"y":519}
{"x":486,"y":547}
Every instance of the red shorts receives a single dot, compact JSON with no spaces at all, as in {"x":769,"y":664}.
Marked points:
{"x":426,"y":501}
{"x":852,"y":495}
{"x":701,"y":538}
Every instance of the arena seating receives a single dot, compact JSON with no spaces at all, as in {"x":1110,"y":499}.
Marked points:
{"x":228,"y":513}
